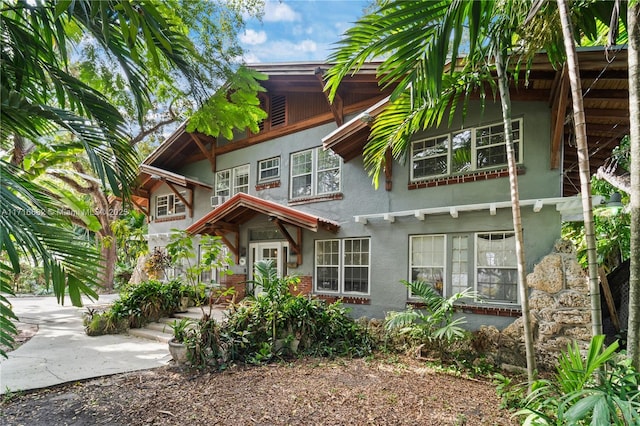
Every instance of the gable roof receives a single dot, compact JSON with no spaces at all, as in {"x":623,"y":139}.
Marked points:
{"x":243,"y":207}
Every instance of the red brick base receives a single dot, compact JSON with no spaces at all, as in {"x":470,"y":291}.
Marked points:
{"x":304,"y":286}
{"x":238,"y":282}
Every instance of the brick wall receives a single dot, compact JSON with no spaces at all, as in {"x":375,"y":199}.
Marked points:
{"x":304,"y":286}
{"x":238,"y":282}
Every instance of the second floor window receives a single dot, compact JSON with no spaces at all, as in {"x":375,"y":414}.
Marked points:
{"x":314,"y":172}
{"x":269,"y":169}
{"x":169,"y":205}
{"x":232,"y":181}
{"x":465,"y":151}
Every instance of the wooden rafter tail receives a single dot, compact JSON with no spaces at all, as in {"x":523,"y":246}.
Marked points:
{"x":560,"y":103}
{"x":337,"y":107}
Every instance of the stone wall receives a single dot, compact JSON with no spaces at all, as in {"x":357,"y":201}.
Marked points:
{"x":560,"y":311}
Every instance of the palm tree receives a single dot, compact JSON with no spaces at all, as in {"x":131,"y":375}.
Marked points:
{"x":417,"y":40}
{"x":633,"y":29}
{"x":42,"y":100}
{"x":583,"y":164}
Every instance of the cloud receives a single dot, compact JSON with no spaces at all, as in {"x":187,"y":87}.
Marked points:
{"x":306,"y":46}
{"x":279,"y":12}
{"x":253,"y":37}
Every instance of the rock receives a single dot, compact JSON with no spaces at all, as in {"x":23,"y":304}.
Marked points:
{"x":139,"y":275}
{"x":547,"y":275}
{"x":573,"y":299}
{"x":540,"y":300}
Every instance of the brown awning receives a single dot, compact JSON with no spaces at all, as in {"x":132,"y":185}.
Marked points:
{"x":243,"y":207}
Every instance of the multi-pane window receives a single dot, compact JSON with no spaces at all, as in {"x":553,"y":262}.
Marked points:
{"x":343,"y":266}
{"x":269,"y":169}
{"x":169,"y":205}
{"x":484,"y":262}
{"x":428,"y":260}
{"x":314,"y":172}
{"x":232,"y":181}
{"x":460,"y":152}
{"x":496,"y":266}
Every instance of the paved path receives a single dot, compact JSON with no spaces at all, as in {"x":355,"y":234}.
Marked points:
{"x":61,"y":352}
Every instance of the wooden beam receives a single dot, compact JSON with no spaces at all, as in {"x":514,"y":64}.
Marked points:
{"x":558,"y":113}
{"x":177,"y":193}
{"x":208,"y":154}
{"x":337,"y":106}
{"x":296,"y":246}
{"x":388,"y":170}
{"x":606,"y":290}
{"x":234,"y":248}
{"x":141,"y":207}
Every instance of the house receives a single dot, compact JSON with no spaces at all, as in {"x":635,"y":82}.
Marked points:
{"x":297,"y":192}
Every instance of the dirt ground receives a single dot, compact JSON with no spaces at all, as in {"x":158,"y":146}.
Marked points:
{"x":381,"y":390}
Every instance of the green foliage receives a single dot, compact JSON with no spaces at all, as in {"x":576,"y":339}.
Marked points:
{"x":235,"y":106}
{"x":596,"y":389}
{"x":433,"y":324}
{"x":137,"y":306}
{"x":276,"y":324}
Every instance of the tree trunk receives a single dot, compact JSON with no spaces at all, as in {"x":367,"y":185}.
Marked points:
{"x":109,"y":254}
{"x":583,"y":165}
{"x":505,"y":98}
{"x":633,"y":338}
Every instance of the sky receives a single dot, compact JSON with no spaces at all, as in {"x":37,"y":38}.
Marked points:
{"x":299,"y":30}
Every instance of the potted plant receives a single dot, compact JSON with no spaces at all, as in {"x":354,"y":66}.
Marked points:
{"x":177,"y":347}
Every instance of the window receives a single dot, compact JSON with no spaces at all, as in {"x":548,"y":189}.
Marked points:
{"x":269,"y":169}
{"x":496,"y":267}
{"x":461,"y":152}
{"x":169,"y":205}
{"x":428,"y":260}
{"x":314,"y":172}
{"x":343,"y":266}
{"x":447,"y":263}
{"x":232,"y":181}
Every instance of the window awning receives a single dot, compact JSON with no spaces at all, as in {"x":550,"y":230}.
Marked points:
{"x":242,"y":207}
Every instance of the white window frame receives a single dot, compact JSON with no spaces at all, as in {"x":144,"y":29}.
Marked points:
{"x":416,"y":149}
{"x":269,"y":164}
{"x":227,"y":181}
{"x":173,"y":204}
{"x":315,"y":171}
{"x":440,"y":286}
{"x":497,"y":265}
{"x":343,"y":265}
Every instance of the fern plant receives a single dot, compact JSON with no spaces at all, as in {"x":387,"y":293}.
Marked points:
{"x":434,"y":322}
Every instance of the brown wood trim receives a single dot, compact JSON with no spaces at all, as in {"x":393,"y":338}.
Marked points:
{"x":177,"y":194}
{"x":558,"y":113}
{"x":337,"y":106}
{"x":388,"y":170}
{"x":233,"y":247}
{"x":294,"y":244}
{"x":208,"y":154}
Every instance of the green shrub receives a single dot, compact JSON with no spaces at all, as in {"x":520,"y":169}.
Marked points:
{"x":597,"y":390}
{"x":276,"y":324}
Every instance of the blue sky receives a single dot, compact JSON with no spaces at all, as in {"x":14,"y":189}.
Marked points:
{"x":299,"y":30}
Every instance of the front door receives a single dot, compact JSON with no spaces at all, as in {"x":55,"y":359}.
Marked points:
{"x":274,"y":251}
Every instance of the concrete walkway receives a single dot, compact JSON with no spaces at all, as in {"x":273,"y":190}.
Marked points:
{"x":61,"y":352}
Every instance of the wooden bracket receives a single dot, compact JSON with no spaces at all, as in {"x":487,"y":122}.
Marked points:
{"x":211,"y":155}
{"x":233,"y":247}
{"x":388,"y":170}
{"x":294,"y":245}
{"x":144,"y":210}
{"x":337,"y":107}
{"x":184,"y":200}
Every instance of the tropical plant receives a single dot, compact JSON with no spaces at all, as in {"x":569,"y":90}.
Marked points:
{"x":597,"y":389}
{"x":213,"y":257}
{"x":433,"y":322}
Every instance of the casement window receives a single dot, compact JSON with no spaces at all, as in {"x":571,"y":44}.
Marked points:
{"x":232,"y":181}
{"x":465,"y":151}
{"x":343,"y":266}
{"x":484,"y":262}
{"x":314,"y":172}
{"x":269,"y":169}
{"x":169,"y":205}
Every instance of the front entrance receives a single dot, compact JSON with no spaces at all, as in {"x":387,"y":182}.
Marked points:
{"x":276,"y":251}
